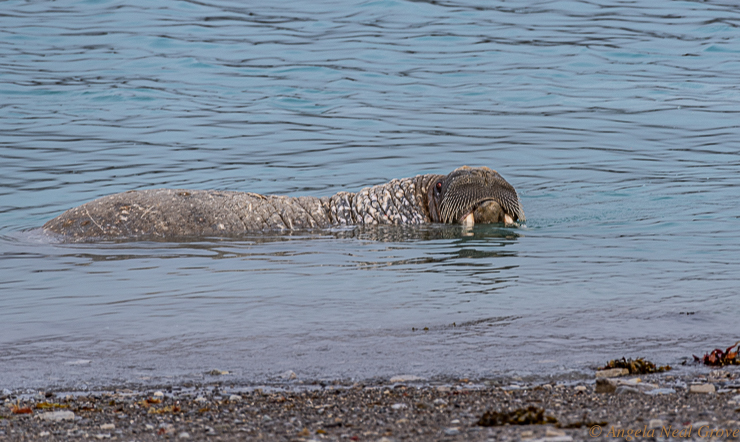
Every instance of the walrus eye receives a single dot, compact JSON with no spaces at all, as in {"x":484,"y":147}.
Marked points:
{"x":439,"y":186}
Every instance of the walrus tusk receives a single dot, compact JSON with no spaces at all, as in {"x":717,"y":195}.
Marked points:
{"x":469,"y":221}
{"x":508,"y":219}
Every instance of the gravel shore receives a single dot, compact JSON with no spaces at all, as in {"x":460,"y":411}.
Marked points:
{"x":620,"y":408}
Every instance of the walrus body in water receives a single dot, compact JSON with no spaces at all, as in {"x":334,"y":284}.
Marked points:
{"x":465,"y":196}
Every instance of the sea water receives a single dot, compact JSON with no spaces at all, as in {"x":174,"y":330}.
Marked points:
{"x":618,"y":123}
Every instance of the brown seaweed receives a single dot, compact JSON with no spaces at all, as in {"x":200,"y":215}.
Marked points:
{"x":719,"y":358}
{"x":635,"y":366}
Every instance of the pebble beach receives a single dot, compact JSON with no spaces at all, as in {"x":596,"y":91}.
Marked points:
{"x":404,"y":408}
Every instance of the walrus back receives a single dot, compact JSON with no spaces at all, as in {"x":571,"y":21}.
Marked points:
{"x":180,"y":213}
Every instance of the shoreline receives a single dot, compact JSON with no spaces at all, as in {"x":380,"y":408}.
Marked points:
{"x":693,"y":406}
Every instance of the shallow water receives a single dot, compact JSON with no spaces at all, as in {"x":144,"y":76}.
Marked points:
{"x":617,"y":123}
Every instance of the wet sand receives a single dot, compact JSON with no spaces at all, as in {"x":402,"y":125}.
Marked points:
{"x":632,"y":407}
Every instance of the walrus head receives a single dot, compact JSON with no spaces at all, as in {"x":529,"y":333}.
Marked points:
{"x":474,"y":195}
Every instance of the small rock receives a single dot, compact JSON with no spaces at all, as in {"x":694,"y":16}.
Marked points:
{"x":455,"y":421}
{"x":44,"y":434}
{"x":452,"y":431}
{"x":623,"y":389}
{"x":604,"y":385}
{"x":217,"y":372}
{"x":200,"y":399}
{"x":659,"y":391}
{"x":235,"y":398}
{"x":655,"y":423}
{"x":443,"y":389}
{"x":184,"y":435}
{"x":551,"y":432}
{"x":736,"y":398}
{"x":581,"y":388}
{"x":406,"y":378}
{"x":612,"y":373}
{"x":399,"y":406}
{"x":385,"y":439}
{"x":680,"y":385}
{"x":158,"y":394}
{"x":700,"y":424}
{"x":266,"y":418}
{"x":439,"y":401}
{"x":6,"y":392}
{"x":57,"y":416}
{"x":526,"y":434}
{"x":702,"y":388}
{"x":645,"y":386}
{"x":288,"y":375}
{"x":149,"y":426}
{"x":108,"y":427}
{"x":719,"y":374}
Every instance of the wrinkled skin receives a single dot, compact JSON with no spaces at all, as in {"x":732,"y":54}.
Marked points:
{"x":466,"y":196}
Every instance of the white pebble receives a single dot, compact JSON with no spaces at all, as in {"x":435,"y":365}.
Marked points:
{"x":108,"y":427}
{"x":158,"y":394}
{"x":200,"y":399}
{"x":235,"y":398}
{"x":702,"y":388}
{"x":399,"y":406}
{"x":406,"y":378}
{"x":659,"y":391}
{"x":184,"y":435}
{"x":551,"y":432}
{"x":57,"y":416}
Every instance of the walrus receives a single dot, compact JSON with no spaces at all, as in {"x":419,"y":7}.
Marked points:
{"x":465,"y":196}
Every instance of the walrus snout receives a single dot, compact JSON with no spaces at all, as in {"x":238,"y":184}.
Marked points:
{"x":490,"y":212}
